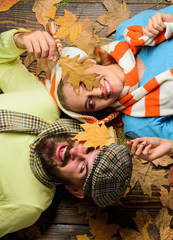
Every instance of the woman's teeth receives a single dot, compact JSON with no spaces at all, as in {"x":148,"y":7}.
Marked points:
{"x":108,"y":88}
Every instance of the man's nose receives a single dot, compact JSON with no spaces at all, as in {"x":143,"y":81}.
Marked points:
{"x":77,"y":152}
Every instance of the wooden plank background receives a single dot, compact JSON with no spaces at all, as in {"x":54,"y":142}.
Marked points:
{"x":62,"y":221}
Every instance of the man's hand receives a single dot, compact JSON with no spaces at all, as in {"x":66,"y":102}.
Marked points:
{"x":150,"y":148}
{"x":38,"y":43}
{"x":156,"y":24}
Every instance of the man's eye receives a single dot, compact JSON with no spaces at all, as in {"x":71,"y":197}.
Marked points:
{"x":82,"y":168}
{"x":91,"y":104}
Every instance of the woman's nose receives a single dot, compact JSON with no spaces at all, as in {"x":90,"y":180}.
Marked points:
{"x":96,"y":91}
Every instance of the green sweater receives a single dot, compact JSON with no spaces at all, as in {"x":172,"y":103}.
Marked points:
{"x":22,"y":197}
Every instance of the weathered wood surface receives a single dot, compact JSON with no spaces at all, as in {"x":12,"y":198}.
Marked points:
{"x":62,"y":221}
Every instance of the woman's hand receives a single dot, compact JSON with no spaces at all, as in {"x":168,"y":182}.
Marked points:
{"x":150,"y":148}
{"x":40,"y":44}
{"x":156,"y":24}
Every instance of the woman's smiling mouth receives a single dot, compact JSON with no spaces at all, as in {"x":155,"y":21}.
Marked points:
{"x":108,"y":88}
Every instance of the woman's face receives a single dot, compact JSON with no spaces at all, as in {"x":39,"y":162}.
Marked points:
{"x":112,"y":79}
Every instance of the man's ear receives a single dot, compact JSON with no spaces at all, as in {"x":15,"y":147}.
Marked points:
{"x":75,"y":191}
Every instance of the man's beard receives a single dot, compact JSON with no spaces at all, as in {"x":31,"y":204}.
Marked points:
{"x":46,"y":149}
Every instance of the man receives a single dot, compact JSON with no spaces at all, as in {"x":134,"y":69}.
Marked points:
{"x":27,"y":186}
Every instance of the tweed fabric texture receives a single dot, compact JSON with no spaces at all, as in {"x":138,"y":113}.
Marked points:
{"x":20,"y":122}
{"x":109,"y":176}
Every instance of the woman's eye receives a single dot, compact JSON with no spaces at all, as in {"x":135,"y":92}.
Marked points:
{"x":91,"y":105}
{"x":82,"y":168}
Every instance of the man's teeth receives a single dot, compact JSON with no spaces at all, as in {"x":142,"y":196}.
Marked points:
{"x":63,"y":154}
{"x":108,"y":88}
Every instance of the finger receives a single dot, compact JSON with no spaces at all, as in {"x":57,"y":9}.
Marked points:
{"x":52,"y":46}
{"x":36,"y":48}
{"x":158,"y":23}
{"x":146,"y":149}
{"x":140,"y":148}
{"x":150,"y":28}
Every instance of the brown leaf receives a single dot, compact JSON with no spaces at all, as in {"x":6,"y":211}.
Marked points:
{"x":129,"y":234}
{"x":44,"y":10}
{"x":89,"y":207}
{"x":117,"y":13}
{"x":70,"y":25}
{"x":166,"y":197}
{"x":149,"y":229}
{"x":163,"y":221}
{"x":147,"y":176}
{"x":94,"y":135}
{"x":7,"y":4}
{"x":77,"y":73}
{"x":170,"y":176}
{"x":87,"y":40}
{"x":163,"y":161}
{"x":100,"y":229}
{"x":43,"y":64}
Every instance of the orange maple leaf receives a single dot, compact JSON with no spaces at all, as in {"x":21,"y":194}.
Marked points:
{"x":82,"y":237}
{"x":70,"y":25}
{"x":44,"y":10}
{"x":7,"y":4}
{"x":94,"y":135}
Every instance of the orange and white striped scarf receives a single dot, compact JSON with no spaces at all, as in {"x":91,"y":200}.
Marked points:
{"x":153,"y":98}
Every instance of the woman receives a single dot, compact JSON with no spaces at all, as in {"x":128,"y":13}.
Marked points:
{"x":150,"y":61}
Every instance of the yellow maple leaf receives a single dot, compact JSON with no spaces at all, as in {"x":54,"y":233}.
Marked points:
{"x":77,"y":73}
{"x":7,"y":4}
{"x":82,"y":237}
{"x":94,"y":135}
{"x":70,"y":25}
{"x":44,"y":10}
{"x":117,"y":13}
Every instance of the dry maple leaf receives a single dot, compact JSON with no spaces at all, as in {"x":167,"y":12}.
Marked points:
{"x":89,"y":207}
{"x":82,"y":237}
{"x":77,"y":73}
{"x":87,"y":40}
{"x":147,"y":176}
{"x":117,"y":13}
{"x":163,"y":161}
{"x":70,"y":25}
{"x":43,"y":64}
{"x":170,"y":176}
{"x":100,"y":229}
{"x":44,"y":10}
{"x":149,"y":229}
{"x":94,"y":135}
{"x":166,"y":197}
{"x":7,"y":4}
